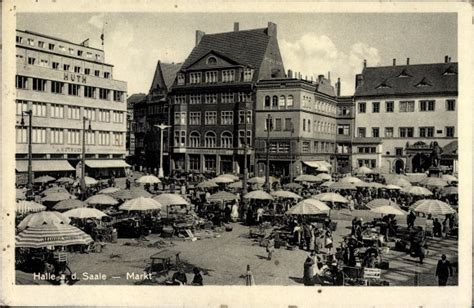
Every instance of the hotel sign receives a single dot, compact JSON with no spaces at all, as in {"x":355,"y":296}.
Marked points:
{"x":70,"y":150}
{"x":75,"y":77}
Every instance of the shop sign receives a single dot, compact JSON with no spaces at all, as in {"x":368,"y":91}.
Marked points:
{"x":372,"y":273}
{"x":75,"y":77}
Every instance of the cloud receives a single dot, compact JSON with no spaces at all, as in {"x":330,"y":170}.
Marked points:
{"x":97,"y":20}
{"x":313,"y":55}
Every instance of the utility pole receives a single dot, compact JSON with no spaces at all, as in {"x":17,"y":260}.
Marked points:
{"x":162,"y":127}
{"x":267,"y":170}
{"x":30,"y":150}
{"x":83,"y":158}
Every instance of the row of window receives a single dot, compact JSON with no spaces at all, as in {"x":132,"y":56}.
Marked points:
{"x":209,"y":77}
{"x":213,"y":98}
{"x":53,"y":47}
{"x":72,"y":136}
{"x":210,"y":139}
{"x":277,"y":124}
{"x":318,"y":147}
{"x":407,"y":132}
{"x":58,"y":87}
{"x":282,"y":102}
{"x":407,"y":106}
{"x":40,"y":109}
{"x":210,"y":118}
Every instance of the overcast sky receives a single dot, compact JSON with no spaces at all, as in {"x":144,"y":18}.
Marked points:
{"x":310,"y":43}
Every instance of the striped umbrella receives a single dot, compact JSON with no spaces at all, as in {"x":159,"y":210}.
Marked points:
{"x":148,"y":179}
{"x":342,"y":185}
{"x":171,"y":199}
{"x":433,"y":182}
{"x":258,"y":195}
{"x":101,"y":199}
{"x":207,"y":184}
{"x":285,"y":194}
{"x":23,"y":207}
{"x":85,"y":212}
{"x":59,"y":196}
{"x":307,"y":178}
{"x":309,"y":207}
{"x":52,"y":235}
{"x":417,"y":191}
{"x":433,"y":207}
{"x":381,"y":202}
{"x":222,"y":196}
{"x":41,"y":218}
{"x":140,"y":204}
{"x":350,"y":179}
{"x":330,"y":197}
{"x":109,"y":190}
{"x":449,"y":190}
{"x":69,"y":204}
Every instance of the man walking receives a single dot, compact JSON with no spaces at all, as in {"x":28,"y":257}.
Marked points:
{"x":443,"y":271}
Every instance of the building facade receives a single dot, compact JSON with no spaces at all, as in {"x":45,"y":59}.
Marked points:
{"x":301,"y":116}
{"x":130,"y":140}
{"x":62,"y":83}
{"x":402,"y":113}
{"x":344,"y":131}
{"x":213,"y":98}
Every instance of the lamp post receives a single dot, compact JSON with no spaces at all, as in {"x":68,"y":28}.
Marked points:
{"x":30,"y":167}
{"x":244,"y":179}
{"x":83,"y":156}
{"x":162,"y":127}
{"x":292,"y":130}
{"x":267,"y":169}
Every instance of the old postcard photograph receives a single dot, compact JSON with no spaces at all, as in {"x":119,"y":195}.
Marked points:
{"x":236,"y":154}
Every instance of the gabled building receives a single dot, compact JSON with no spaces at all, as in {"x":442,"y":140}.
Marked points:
{"x":345,"y":128}
{"x":403,"y":111}
{"x":214,"y":99}
{"x":130,"y":140}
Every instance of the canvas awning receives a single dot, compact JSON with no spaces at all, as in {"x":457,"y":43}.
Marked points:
{"x":44,"y":165}
{"x":317,"y":164}
{"x":106,"y":164}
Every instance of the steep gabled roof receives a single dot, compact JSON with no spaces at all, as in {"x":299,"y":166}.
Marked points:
{"x":246,"y":47}
{"x":135,"y":98}
{"x":409,"y":79}
{"x":165,"y":74}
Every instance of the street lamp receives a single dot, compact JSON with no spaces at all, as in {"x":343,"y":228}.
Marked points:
{"x":244,"y":179}
{"x":162,"y":127}
{"x":292,"y":130}
{"x":30,"y":167}
{"x":267,"y":169}
{"x":83,"y":158}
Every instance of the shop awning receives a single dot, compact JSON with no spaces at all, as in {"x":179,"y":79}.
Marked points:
{"x":44,"y":165}
{"x":107,"y":164}
{"x":317,"y":164}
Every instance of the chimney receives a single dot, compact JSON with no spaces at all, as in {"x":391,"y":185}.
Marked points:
{"x":394,"y":62}
{"x":338,"y":87}
{"x":290,"y":74}
{"x":329,"y":77}
{"x":236,"y":26}
{"x":408,"y":61}
{"x":199,"y":35}
{"x":365,"y":63}
{"x":320,"y":78}
{"x":272,"y":29}
{"x":306,"y":77}
{"x":446,"y":59}
{"x":449,"y":59}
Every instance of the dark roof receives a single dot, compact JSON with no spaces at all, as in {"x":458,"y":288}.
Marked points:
{"x":246,"y":47}
{"x":135,"y":98}
{"x":409,"y":79}
{"x":165,"y":74}
{"x":325,"y":87}
{"x":451,"y":148}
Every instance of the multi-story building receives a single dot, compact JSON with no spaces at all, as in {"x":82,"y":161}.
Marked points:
{"x":130,"y":140}
{"x":213,"y":98}
{"x":62,"y":83}
{"x":302,"y":125}
{"x":403,"y":111}
{"x":139,"y":130}
{"x":344,"y":131}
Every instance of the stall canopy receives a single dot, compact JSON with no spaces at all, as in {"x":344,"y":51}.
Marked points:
{"x":106,"y":164}
{"x":44,"y":165}
{"x":317,"y":164}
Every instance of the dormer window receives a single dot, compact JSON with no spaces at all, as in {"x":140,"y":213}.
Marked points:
{"x":449,"y":71}
{"x":404,"y":73}
{"x":180,"y":79}
{"x":248,"y":74}
{"x":383,"y":85}
{"x":211,"y":61}
{"x":423,"y":83}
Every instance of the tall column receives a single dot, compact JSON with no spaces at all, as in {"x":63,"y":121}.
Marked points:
{"x":202,"y":163}
{"x":186,"y":162}
{"x":218,"y":164}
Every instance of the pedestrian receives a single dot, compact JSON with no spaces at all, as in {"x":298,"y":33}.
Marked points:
{"x":328,"y":243}
{"x":437,"y":228}
{"x":179,"y":278}
{"x":270,"y":248}
{"x":197,"y":279}
{"x":249,"y":280}
{"x":411,"y":220}
{"x":308,"y":271}
{"x":127,"y":183}
{"x":446,"y":227}
{"x":307,"y":235}
{"x":443,"y":271}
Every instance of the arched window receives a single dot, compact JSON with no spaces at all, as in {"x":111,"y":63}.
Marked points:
{"x":211,"y":60}
{"x":226,"y":140}
{"x":289,"y":101}
{"x":275,"y":101}
{"x":194,"y":140}
{"x":282,"y":101}
{"x":210,"y":140}
{"x":267,"y":102}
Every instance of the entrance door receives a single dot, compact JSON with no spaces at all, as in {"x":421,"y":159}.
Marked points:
{"x":421,"y":163}
{"x":399,"y":166}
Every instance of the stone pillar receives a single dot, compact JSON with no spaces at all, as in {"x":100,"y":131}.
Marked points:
{"x":202,"y":163}
{"x":218,"y":164}
{"x":186,"y":162}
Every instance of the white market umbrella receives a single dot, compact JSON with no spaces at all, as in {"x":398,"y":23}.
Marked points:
{"x":24,"y":207}
{"x":85,"y":213}
{"x":350,"y":179}
{"x":330,"y":197}
{"x":101,"y":199}
{"x":148,"y":179}
{"x":388,"y":210}
{"x":285,"y":194}
{"x":56,"y":234}
{"x":433,"y":207}
{"x":140,"y":204}
{"x":170,"y":199}
{"x":417,"y":191}
{"x":309,"y":207}
{"x":258,"y":195}
{"x":45,"y":217}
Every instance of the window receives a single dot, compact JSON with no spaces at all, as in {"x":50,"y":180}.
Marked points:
{"x":51,"y":46}
{"x":343,"y":129}
{"x":73,"y":112}
{"x":361,"y":132}
{"x":212,"y":61}
{"x":21,"y":106}
{"x":107,"y":75}
{"x":248,"y":74}
{"x":38,"y":135}
{"x":306,"y":147}
{"x":21,"y":82}
{"x":427,"y":105}
{"x":44,"y":63}
{"x":195,"y":99}
{"x":227,"y":117}
{"x":21,"y":135}
{"x":117,"y":116}
{"x":210,"y":162}
{"x":55,"y":65}
{"x":304,"y":125}
{"x":180,"y":99}
{"x":282,"y":101}
{"x":39,"y":84}
{"x":89,"y":113}
{"x":73,"y":89}
{"x":180,"y":118}
{"x":89,"y":55}
{"x":39,"y":109}
{"x":375,"y":132}
{"x":289,"y":101}
{"x":77,"y":69}
{"x":66,"y":67}
{"x":195,"y":118}
{"x":406,"y":132}
{"x":242,"y":137}
{"x":90,"y":138}
{"x":288,"y":124}
{"x":97,"y":57}
{"x":210,"y":118}
{"x":375,"y":107}
{"x":362,"y":107}
{"x":228,"y":76}
{"x":370,"y":163}
{"x":194,"y":78}
{"x":210,"y":140}
{"x":31,"y":61}
{"x":278,"y":124}
{"x":79,"y":53}
{"x":267,"y":102}
{"x":227,"y":140}
{"x":242,"y":116}
{"x":104,"y":138}
{"x":309,"y":126}
{"x":118,"y":139}
{"x":210,"y":98}
{"x":426,"y":131}
{"x":56,"y":136}
{"x":449,"y":131}
{"x":104,"y":115}
{"x":31,"y":42}
{"x":71,"y":51}
{"x":104,"y":94}
{"x":408,"y":106}
{"x":211,"y":77}
{"x":450,"y":105}
{"x":227,"y":98}
{"x":399,"y":151}
{"x":389,"y":132}
{"x":118,"y":96}
{"x":275,"y":101}
{"x":366,"y":150}
{"x":19,"y":59}
{"x":89,"y":92}
{"x":57,"y":111}
{"x":87,"y":71}
{"x":96,"y":73}
{"x":194,"y":140}
{"x":19,"y":39}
